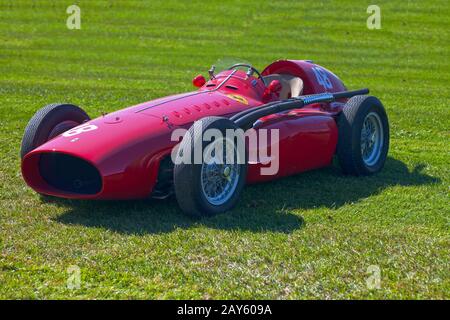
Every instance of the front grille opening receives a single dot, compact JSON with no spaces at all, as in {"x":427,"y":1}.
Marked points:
{"x":69,"y":174}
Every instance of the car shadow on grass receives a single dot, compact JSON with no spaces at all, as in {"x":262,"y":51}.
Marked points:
{"x":162,"y":216}
{"x":264,"y":207}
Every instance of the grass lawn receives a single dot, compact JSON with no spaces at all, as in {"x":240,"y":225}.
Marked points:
{"x":316,"y":235}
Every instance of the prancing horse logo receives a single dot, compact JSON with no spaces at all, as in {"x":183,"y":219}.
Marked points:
{"x":238,"y":98}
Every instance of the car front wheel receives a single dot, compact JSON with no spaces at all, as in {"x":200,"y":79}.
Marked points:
{"x":214,"y":184}
{"x":49,"y":122}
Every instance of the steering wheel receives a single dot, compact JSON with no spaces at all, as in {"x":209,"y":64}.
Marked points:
{"x":237,"y":65}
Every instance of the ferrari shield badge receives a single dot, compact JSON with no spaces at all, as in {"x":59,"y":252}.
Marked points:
{"x":238,"y":98}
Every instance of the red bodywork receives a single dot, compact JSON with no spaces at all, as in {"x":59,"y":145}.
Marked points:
{"x":127,"y":146}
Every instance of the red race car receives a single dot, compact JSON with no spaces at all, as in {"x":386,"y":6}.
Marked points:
{"x":241,"y":126}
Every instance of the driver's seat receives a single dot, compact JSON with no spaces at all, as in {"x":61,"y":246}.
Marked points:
{"x":289,"y":84}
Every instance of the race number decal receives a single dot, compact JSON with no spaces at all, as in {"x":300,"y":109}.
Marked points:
{"x":322,"y":78}
{"x":79,"y":129}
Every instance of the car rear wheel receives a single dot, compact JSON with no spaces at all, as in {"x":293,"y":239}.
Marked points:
{"x":214,"y":184}
{"x":363,"y":136}
{"x":49,"y":122}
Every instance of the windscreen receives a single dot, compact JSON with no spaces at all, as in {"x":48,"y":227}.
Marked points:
{"x":226,"y":63}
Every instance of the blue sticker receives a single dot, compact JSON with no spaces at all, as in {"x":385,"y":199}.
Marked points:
{"x":254,"y":82}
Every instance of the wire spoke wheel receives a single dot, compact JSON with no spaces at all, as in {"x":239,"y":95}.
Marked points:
{"x":220,"y":173}
{"x":371,"y":138}
{"x":214,"y":185}
{"x":363,"y":142}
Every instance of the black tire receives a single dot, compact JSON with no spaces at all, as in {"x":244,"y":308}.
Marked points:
{"x":350,"y":124}
{"x":48,"y":122}
{"x":187,"y":177}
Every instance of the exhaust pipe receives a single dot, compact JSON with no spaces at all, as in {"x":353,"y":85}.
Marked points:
{"x":247,"y":118}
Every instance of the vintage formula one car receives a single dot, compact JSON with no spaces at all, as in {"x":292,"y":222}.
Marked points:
{"x":131,"y":153}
